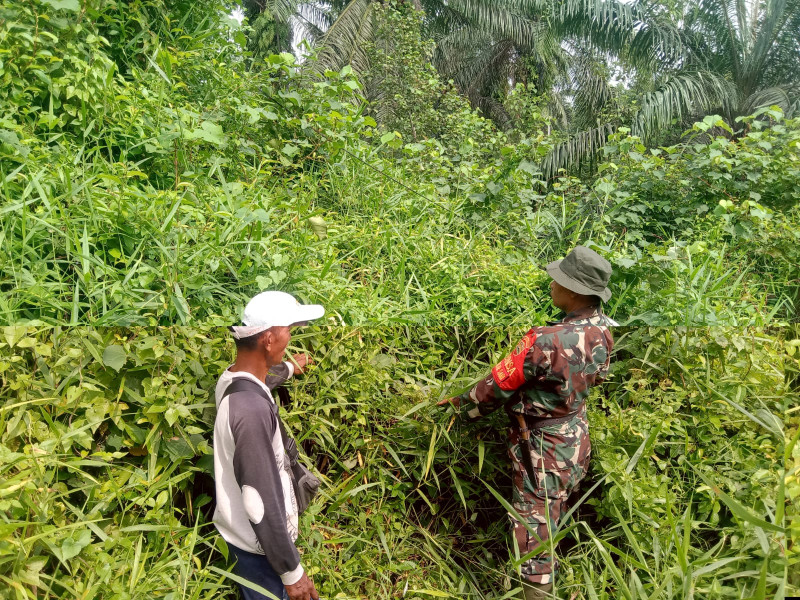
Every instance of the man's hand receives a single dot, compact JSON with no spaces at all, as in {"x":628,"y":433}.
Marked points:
{"x":303,"y":589}
{"x":301,"y":362}
{"x":456,"y":402}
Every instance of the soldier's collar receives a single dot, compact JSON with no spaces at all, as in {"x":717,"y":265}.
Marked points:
{"x":578,"y":315}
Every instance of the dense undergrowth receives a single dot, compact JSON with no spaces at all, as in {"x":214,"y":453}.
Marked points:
{"x":170,"y":187}
{"x":152,"y":181}
{"x":105,"y":440}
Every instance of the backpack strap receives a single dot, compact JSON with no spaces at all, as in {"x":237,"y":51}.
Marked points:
{"x":245,"y":384}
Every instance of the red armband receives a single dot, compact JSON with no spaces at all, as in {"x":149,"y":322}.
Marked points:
{"x":508,"y":373}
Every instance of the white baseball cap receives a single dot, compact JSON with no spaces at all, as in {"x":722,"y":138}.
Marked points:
{"x":274,"y":309}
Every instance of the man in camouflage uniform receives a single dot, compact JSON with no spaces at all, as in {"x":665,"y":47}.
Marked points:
{"x":543,"y":386}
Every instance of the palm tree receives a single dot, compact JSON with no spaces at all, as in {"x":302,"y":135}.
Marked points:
{"x":689,"y":58}
{"x":277,"y":25}
{"x":486,"y":45}
{"x":726,"y":57}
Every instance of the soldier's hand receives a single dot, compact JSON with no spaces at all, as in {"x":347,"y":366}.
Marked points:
{"x":301,"y":362}
{"x":303,"y":589}
{"x":456,"y":402}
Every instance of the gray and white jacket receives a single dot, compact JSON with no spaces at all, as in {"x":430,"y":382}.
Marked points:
{"x":256,"y":508}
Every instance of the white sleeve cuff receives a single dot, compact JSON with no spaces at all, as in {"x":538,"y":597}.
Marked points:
{"x":289,"y":364}
{"x":293,"y":577}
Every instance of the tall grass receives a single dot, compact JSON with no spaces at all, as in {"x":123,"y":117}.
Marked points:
{"x":102,"y":467}
{"x":174,"y":183}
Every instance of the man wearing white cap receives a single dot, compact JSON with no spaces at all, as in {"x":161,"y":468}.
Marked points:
{"x":256,"y":511}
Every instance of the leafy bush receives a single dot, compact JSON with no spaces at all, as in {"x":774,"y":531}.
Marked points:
{"x":106,"y":436}
{"x":155,"y":176}
{"x":197,"y":179}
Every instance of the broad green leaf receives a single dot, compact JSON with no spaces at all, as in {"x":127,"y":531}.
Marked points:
{"x":208,"y":131}
{"x":180,"y":304}
{"x":70,"y":5}
{"x":290,"y":150}
{"x":11,"y":138}
{"x":73,"y":545}
{"x":96,"y":413}
{"x":605,"y":187}
{"x":114,"y":356}
{"x":319,"y":227}
{"x":13,"y":333}
{"x":178,"y":449}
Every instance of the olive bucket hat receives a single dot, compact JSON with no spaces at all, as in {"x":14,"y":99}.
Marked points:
{"x":582,"y":271}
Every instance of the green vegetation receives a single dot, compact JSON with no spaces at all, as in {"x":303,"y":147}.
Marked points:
{"x":159,"y":166}
{"x":172,"y":194}
{"x":681,"y":58}
{"x":104,"y":432}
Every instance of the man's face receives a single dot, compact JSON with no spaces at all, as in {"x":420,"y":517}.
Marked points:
{"x":561,"y":296}
{"x":275,"y":342}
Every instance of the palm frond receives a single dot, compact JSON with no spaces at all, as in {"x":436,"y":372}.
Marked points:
{"x":676,"y":99}
{"x":656,"y":43}
{"x":590,"y":82}
{"x":709,"y":41}
{"x":315,"y":16}
{"x":281,"y":10}
{"x":575,"y":150}
{"x":458,"y":47}
{"x":681,"y":96}
{"x":784,"y":58}
{"x":607,"y":25}
{"x":769,"y":31}
{"x":304,"y":31}
{"x":773,"y":96}
{"x":501,"y":22}
{"x":605,"y":13}
{"x":485,"y":70}
{"x":557,"y":110}
{"x":491,"y":109}
{"x":442,"y":19}
{"x":343,"y":42}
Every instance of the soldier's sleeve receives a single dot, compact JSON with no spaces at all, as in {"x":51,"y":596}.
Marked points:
{"x":525,"y":362}
{"x":279,"y":374}
{"x":602,"y":357}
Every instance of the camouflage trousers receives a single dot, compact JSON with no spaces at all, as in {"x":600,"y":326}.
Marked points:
{"x":560,"y":458}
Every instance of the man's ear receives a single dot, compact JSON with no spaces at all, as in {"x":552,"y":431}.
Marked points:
{"x":267,"y":339}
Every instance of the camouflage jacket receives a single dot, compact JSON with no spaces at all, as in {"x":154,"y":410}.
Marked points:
{"x":549,"y":373}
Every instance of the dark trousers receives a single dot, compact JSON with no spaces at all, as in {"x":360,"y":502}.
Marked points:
{"x":255,"y":568}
